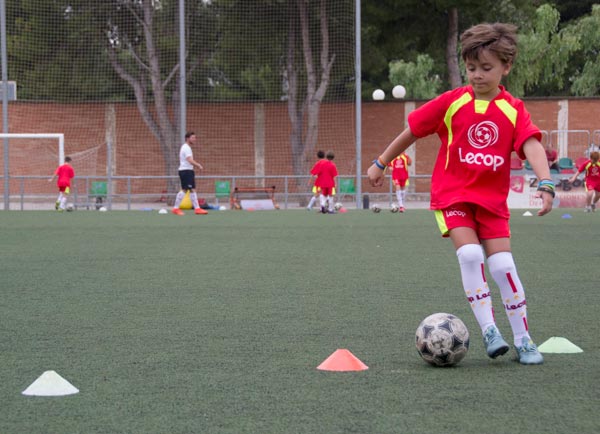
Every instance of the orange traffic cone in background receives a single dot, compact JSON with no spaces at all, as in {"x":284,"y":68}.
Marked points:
{"x":342,"y":360}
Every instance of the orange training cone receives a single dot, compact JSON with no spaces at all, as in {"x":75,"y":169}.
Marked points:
{"x":342,"y":360}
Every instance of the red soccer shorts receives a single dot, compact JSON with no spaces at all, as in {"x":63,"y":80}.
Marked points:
{"x":589,"y":186}
{"x":327,"y":191}
{"x":486,"y":224}
{"x":64,"y":189}
{"x":401,"y":182}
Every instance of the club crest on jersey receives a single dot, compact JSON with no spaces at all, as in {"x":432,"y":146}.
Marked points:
{"x":483,"y":134}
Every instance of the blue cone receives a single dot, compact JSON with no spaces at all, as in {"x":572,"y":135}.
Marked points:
{"x":566,"y":216}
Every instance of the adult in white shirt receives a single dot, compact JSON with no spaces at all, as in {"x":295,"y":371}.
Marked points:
{"x":187,"y":175}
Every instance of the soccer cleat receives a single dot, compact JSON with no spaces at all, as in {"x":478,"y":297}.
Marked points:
{"x":401,"y":209}
{"x":200,"y":211}
{"x":588,"y":209}
{"x":331,"y":211}
{"x":593,"y":207}
{"x":495,"y":345}
{"x":527,"y":353}
{"x":177,"y":211}
{"x":323,"y":210}
{"x":57,"y":205}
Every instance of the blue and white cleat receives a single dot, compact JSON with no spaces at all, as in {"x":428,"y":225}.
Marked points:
{"x":495,"y":345}
{"x":528,"y":354}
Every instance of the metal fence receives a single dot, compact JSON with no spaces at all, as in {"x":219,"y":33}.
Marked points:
{"x":121,"y":193}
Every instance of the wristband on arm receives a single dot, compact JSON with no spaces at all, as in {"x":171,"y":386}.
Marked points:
{"x":379,"y":163}
{"x":546,"y":185}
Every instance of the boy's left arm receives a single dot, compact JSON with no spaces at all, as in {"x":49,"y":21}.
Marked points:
{"x":536,"y":155}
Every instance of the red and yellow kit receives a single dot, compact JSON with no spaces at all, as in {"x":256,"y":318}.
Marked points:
{"x":477,"y":139}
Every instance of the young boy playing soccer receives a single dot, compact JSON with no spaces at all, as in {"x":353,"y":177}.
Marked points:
{"x":316,"y":191}
{"x":591,"y":168}
{"x":479,"y":125}
{"x":399,"y":167}
{"x":325,"y":172}
{"x":64,"y":173}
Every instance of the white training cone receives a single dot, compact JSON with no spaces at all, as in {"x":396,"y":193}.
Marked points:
{"x":527,"y":214}
{"x":50,"y":384}
{"x":559,"y":345}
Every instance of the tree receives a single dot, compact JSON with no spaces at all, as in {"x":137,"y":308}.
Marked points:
{"x":544,"y":54}
{"x":416,"y":77}
{"x":300,"y":63}
{"x":586,"y":78}
{"x":55,"y":55}
{"x":305,"y":105}
{"x":394,"y":30}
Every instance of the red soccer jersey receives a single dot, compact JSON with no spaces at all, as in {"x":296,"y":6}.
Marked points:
{"x":64,"y":173}
{"x":399,"y":166}
{"x":473,"y":163}
{"x":325,"y":171}
{"x":592,"y":173}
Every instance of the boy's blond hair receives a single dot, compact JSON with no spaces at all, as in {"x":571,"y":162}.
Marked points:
{"x":498,"y":38}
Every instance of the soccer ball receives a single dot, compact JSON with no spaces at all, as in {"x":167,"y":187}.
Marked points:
{"x":376,"y":208}
{"x":393,"y":207}
{"x":338,"y":206}
{"x":442,"y":339}
{"x":163,"y":211}
{"x":102,"y":209}
{"x":70,"y":207}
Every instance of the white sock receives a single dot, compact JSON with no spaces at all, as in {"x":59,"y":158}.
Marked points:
{"x":194,"y":199}
{"x":399,"y":197}
{"x":59,"y":198}
{"x":63,"y":202}
{"x":330,"y":202}
{"x":322,"y":200}
{"x":470,"y":259}
{"x":403,"y":195}
{"x":503,"y":270}
{"x":312,"y":202}
{"x":179,"y":198}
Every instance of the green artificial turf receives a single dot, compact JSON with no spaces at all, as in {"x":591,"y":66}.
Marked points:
{"x":216,"y":324}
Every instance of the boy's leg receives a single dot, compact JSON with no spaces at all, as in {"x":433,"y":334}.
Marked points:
{"x":312,"y":201}
{"x":322,"y":201}
{"x":595,"y":198}
{"x":503,"y":270}
{"x":460,"y":222}
{"x":399,"y":197}
{"x":470,"y":259}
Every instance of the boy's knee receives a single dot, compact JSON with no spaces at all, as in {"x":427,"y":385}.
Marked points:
{"x":470,"y":253}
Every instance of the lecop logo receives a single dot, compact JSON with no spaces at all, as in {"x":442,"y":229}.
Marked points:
{"x":483,"y":134}
{"x":455,"y":213}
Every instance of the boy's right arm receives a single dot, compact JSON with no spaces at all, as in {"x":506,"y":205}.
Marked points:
{"x":398,"y":146}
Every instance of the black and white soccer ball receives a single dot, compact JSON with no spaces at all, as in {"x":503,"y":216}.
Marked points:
{"x":393,"y":207}
{"x":442,"y":339}
{"x":376,"y":208}
{"x":338,"y":206}
{"x":70,"y":207}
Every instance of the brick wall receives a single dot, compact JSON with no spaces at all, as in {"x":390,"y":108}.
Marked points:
{"x":227,"y":133}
